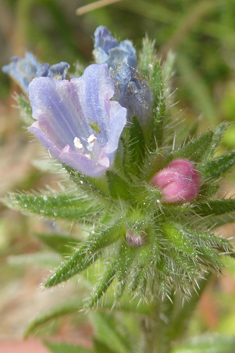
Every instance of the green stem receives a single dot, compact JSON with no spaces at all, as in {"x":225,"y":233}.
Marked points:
{"x":169,"y":320}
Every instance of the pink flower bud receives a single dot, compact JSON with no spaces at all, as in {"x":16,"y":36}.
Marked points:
{"x":178,"y":182}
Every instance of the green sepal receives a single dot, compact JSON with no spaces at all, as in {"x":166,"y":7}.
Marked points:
{"x":195,"y":149}
{"x":215,"y":168}
{"x":144,"y":258}
{"x":87,"y":254}
{"x":103,"y":285}
{"x":126,"y":257}
{"x":94,"y":187}
{"x":25,"y":110}
{"x":147,"y":56}
{"x":66,"y":348}
{"x":178,"y":238}
{"x":71,"y":306}
{"x":118,"y":187}
{"x":62,"y":244}
{"x":218,"y":134}
{"x":134,"y":144}
{"x":63,"y":206}
{"x":223,"y":246}
{"x":158,"y":105}
{"x":214,"y":222}
{"x":214,"y":207}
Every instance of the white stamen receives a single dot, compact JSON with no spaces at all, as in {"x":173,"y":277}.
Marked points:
{"x":88,"y":156}
{"x":77,"y":143}
{"x":91,"y":138}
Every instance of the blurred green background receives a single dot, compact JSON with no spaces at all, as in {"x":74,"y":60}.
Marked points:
{"x":200,"y":33}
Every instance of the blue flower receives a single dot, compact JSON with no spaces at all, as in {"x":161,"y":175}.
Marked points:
{"x":24,"y":70}
{"x":77,"y":121}
{"x":108,"y":50}
{"x":132,"y":92}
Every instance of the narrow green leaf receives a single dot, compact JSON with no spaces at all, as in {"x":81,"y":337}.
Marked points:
{"x":62,"y":244}
{"x":87,"y":254}
{"x":66,"y":348}
{"x":126,"y":257}
{"x":107,"y":332}
{"x":134,"y":148}
{"x":215,"y":242}
{"x":25,"y":110}
{"x":158,"y":105}
{"x":179,"y":238}
{"x":100,"y":347}
{"x":195,"y":149}
{"x":45,"y":258}
{"x":214,"y":207}
{"x":209,"y":258}
{"x":215,"y":168}
{"x":147,"y":56}
{"x":119,"y":188}
{"x":207,"y":344}
{"x":214,"y":222}
{"x":103,"y":285}
{"x":94,"y":187}
{"x":218,"y":134}
{"x":63,"y":206}
{"x":69,"y":307}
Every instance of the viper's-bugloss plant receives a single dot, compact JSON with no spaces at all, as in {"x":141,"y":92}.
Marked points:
{"x":147,"y":196}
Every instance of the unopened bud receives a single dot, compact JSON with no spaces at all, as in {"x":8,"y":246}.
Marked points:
{"x":179,"y":181}
{"x":134,"y":239}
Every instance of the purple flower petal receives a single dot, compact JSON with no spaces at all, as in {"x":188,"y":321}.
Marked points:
{"x":24,"y":70}
{"x":108,"y":50}
{"x":133,"y":93}
{"x":77,"y":121}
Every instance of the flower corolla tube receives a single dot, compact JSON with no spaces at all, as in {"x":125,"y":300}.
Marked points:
{"x":24,"y":70}
{"x":179,"y":181}
{"x":108,"y":50}
{"x":77,"y":121}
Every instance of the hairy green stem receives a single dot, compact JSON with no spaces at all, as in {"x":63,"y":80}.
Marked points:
{"x":169,"y":319}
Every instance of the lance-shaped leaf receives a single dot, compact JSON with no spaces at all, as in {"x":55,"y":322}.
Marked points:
{"x":179,"y":239}
{"x":103,"y":285}
{"x":68,"y":206}
{"x":195,"y":149}
{"x":207,"y":343}
{"x":218,"y":134}
{"x":87,"y":254}
{"x":66,"y":347}
{"x":215,"y":168}
{"x":214,"y":207}
{"x":159,"y":104}
{"x":124,"y":263}
{"x":111,"y":334}
{"x":147,"y":56}
{"x":62,"y":244}
{"x":54,"y":313}
{"x":119,"y":188}
{"x":100,"y":347}
{"x":25,"y":109}
{"x":135,"y":148}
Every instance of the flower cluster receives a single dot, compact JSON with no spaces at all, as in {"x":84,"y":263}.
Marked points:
{"x":24,"y":70}
{"x":150,"y":204}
